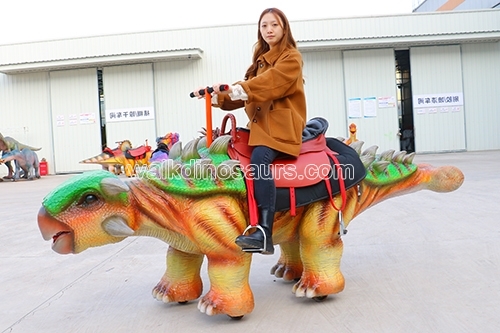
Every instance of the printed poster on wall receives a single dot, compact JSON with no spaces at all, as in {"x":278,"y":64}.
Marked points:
{"x":60,"y":120}
{"x":387,"y":102}
{"x":73,"y":120}
{"x":370,"y":106}
{"x":87,"y":118}
{"x":130,"y":114}
{"x":354,"y":108}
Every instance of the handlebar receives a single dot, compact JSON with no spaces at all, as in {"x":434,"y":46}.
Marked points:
{"x":222,"y":87}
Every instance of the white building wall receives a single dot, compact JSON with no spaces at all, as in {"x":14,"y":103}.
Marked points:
{"x":25,"y":113}
{"x":325,"y":90}
{"x":349,"y":31}
{"x":481,"y":72}
{"x":129,"y":87}
{"x":223,"y":61}
{"x":437,"y":70}
{"x":370,"y":75}
{"x":75,"y":125}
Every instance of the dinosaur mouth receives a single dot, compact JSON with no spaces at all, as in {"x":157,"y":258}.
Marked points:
{"x":62,"y":242}
{"x":60,"y":233}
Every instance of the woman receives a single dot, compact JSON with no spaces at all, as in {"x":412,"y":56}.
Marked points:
{"x":274,"y":100}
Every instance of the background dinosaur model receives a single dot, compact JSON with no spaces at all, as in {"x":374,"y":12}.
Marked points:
{"x":7,"y":144}
{"x":25,"y":160}
{"x":124,"y":156}
{"x":201,"y":217}
{"x":107,"y":153}
{"x":163,"y":146}
{"x":352,"y":134}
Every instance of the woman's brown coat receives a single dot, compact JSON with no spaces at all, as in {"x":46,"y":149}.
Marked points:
{"x":276,"y":105}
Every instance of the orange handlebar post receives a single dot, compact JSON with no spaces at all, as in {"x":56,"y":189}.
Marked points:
{"x":208,"y":115}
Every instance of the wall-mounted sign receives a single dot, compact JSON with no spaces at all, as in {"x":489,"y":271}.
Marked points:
{"x":130,"y":114}
{"x":438,"y":100}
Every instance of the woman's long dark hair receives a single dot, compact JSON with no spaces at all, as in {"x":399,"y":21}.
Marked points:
{"x":261,"y":45}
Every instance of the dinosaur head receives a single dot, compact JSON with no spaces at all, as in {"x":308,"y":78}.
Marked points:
{"x":168,"y":140}
{"x":90,"y":209}
{"x":352,"y":128}
{"x":3,"y":144}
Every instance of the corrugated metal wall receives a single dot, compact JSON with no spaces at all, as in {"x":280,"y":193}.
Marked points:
{"x":129,"y":87}
{"x":75,"y":119}
{"x":25,"y":112}
{"x":370,"y":80}
{"x":481,"y":72}
{"x":437,"y":70}
{"x":325,"y":91}
{"x":216,"y":39}
{"x":223,"y":61}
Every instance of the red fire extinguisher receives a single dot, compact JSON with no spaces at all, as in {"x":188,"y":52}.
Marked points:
{"x":44,"y":168}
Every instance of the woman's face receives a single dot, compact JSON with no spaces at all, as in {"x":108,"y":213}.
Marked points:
{"x":271,"y":29}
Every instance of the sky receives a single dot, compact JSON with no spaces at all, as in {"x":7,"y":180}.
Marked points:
{"x":25,"y":21}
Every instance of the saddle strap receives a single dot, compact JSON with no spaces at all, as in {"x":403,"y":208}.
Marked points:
{"x":343,"y":193}
{"x":252,"y":203}
{"x":293,"y":202}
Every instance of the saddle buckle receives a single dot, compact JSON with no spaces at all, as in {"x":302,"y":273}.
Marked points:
{"x":342,"y":228}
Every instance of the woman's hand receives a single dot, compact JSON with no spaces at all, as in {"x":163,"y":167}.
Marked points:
{"x":196,"y":92}
{"x":214,"y":90}
{"x":227,"y":89}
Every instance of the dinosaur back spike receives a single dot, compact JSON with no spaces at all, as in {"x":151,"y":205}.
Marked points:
{"x":384,"y":171}
{"x":370,"y":151}
{"x":357,"y":146}
{"x":176,"y":150}
{"x":408,"y":159}
{"x":387,"y":155}
{"x":208,"y":170}
{"x":399,"y":156}
{"x":190,"y":151}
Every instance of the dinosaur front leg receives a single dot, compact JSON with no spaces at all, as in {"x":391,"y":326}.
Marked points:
{"x":230,"y":291}
{"x":10,"y":170}
{"x":181,"y":281}
{"x":321,"y":251}
{"x":289,"y":266}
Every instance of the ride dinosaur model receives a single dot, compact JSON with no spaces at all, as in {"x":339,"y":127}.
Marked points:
{"x":7,"y":144}
{"x":25,"y":160}
{"x":125,"y":156}
{"x":196,"y":202}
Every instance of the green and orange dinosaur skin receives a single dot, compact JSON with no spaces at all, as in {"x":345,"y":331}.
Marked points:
{"x":201,"y":218}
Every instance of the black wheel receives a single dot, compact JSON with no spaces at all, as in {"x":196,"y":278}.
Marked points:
{"x":320,"y":298}
{"x":183,"y":302}
{"x":236,"y":317}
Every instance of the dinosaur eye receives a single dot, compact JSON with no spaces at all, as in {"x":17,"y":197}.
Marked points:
{"x":89,"y":200}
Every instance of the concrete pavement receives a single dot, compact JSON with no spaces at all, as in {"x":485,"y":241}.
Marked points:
{"x":424,"y":262}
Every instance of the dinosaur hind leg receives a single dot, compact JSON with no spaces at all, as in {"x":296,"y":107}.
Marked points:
{"x":289,"y":266}
{"x":321,"y":251}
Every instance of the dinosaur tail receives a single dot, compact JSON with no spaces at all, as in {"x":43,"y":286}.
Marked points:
{"x":98,"y":159}
{"x":22,"y":146}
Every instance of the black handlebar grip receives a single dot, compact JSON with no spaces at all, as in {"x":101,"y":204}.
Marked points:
{"x":222,"y":87}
